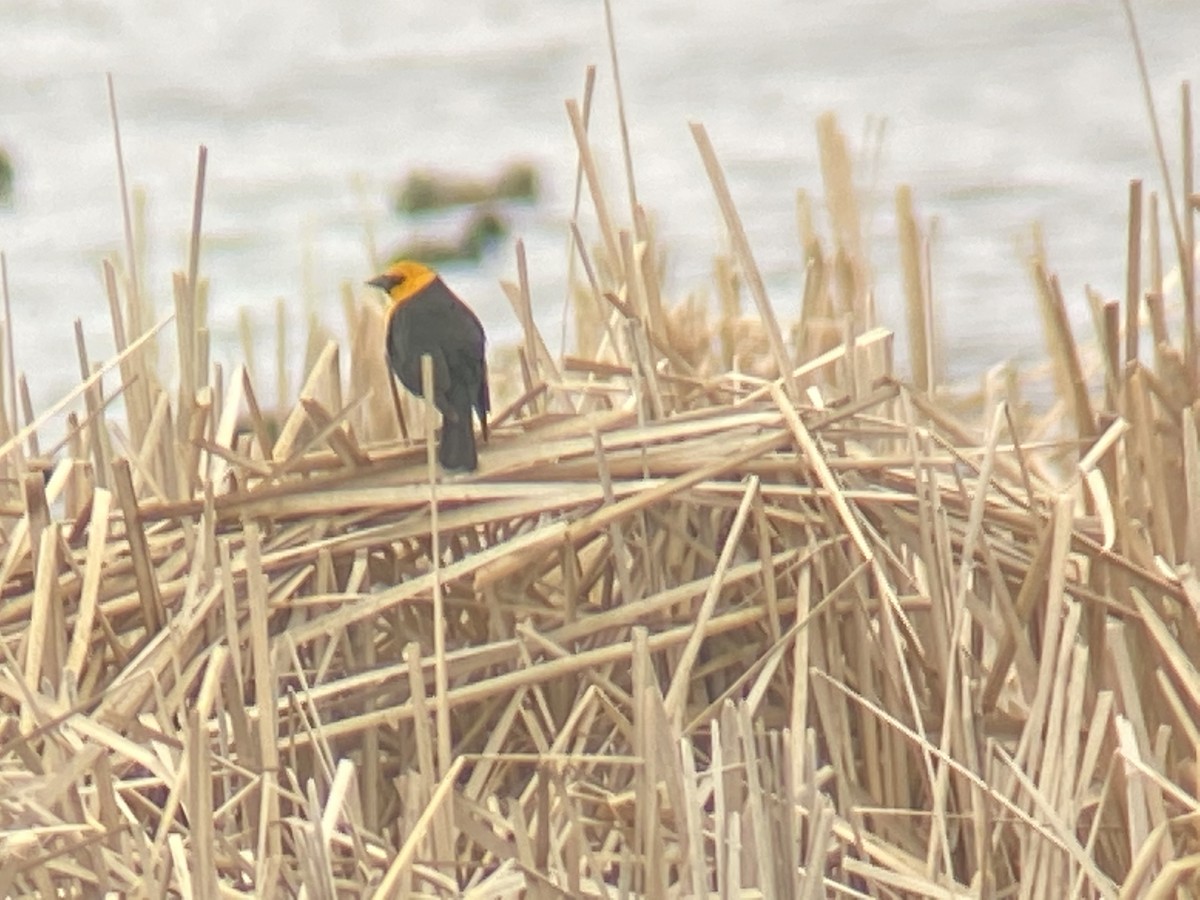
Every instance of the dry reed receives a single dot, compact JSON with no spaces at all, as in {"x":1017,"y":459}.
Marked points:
{"x":730,"y":610}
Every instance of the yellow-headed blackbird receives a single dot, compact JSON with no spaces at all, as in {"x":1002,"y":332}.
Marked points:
{"x":425,"y":316}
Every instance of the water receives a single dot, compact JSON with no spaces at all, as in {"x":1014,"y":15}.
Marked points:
{"x":999,"y":114}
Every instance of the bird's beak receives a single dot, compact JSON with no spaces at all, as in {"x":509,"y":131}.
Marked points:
{"x":382,"y":282}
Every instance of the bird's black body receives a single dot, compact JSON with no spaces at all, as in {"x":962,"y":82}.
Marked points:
{"x":433,"y":320}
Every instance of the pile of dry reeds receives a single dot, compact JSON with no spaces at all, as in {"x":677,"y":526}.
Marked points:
{"x":727,"y":608}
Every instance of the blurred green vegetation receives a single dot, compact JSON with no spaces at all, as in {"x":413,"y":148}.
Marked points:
{"x":426,"y":190}
{"x":7,"y":176}
{"x":485,"y":229}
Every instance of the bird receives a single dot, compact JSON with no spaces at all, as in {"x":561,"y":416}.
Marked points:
{"x":425,"y":317}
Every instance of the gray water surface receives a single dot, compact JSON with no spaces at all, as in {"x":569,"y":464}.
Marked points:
{"x":998,"y":113}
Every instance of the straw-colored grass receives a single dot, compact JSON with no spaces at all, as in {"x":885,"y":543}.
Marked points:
{"x":729,"y":609}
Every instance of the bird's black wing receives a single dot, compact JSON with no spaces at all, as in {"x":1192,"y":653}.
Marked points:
{"x":438,"y":323}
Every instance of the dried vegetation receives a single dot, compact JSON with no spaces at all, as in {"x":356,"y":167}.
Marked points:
{"x":729,"y":607}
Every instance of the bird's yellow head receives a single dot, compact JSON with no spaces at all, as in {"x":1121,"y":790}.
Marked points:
{"x":403,"y":280}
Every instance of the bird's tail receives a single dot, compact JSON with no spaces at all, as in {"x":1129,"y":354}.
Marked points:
{"x":457,"y":449}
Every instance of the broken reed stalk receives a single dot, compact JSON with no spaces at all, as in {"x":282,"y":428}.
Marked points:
{"x":8,"y":372}
{"x":435,"y":555}
{"x":687,"y":630}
